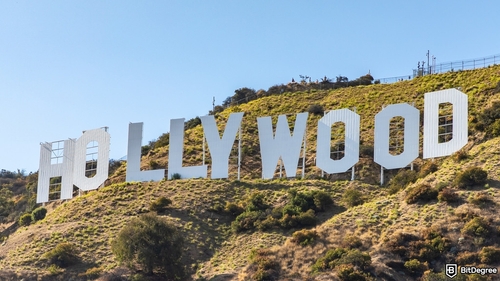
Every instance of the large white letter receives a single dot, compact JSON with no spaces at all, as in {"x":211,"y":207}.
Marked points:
{"x":220,"y":148}
{"x":48,"y":170}
{"x":351,"y":156}
{"x":176,"y":152}
{"x":432,"y":147}
{"x":411,"y":129}
{"x":79,"y":178}
{"x":282,"y":145}
{"x":134,"y":172}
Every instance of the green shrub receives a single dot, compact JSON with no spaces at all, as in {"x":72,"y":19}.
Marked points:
{"x":289,"y":221}
{"x":355,"y":257}
{"x":191,"y":123}
{"x":348,"y":272}
{"x":25,"y":220}
{"x":351,"y":242}
{"x":93,"y":273}
{"x":54,"y":270}
{"x":494,"y":128}
{"x":152,"y":244}
{"x":460,"y":155}
{"x":490,"y":255}
{"x":317,"y":200}
{"x":467,"y":258}
{"x":63,"y":255}
{"x":448,"y":195}
{"x":291,"y":210}
{"x":307,"y":218}
{"x":176,"y":176}
{"x":421,"y":193}
{"x":428,"y":168}
{"x":328,"y":261}
{"x":490,"y":114}
{"x":431,"y":245}
{"x":415,"y":266}
{"x":401,"y":180}
{"x":256,"y":203}
{"x":316,"y":109}
{"x":38,"y":214}
{"x":153,"y":164}
{"x":304,"y":237}
{"x":352,"y":197}
{"x":246,"y":221}
{"x":477,"y":226}
{"x":321,"y":200}
{"x":299,"y":211}
{"x":338,"y":256}
{"x":263,"y":265}
{"x":160,"y":204}
{"x":441,"y":276}
{"x":233,"y":209}
{"x":266,"y":223}
{"x":366,"y":150}
{"x":471,"y":177}
{"x":162,"y":141}
{"x":481,"y":199}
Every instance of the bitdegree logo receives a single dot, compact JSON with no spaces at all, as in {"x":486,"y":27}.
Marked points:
{"x":478,"y":270}
{"x":451,"y":270}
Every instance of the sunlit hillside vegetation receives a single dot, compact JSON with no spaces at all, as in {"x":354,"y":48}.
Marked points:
{"x":312,"y":228}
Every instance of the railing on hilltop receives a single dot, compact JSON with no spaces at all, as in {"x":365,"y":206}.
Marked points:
{"x":390,"y":80}
{"x":457,"y":65}
{"x":433,"y":69}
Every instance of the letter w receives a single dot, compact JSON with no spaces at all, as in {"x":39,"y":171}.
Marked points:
{"x":282,"y":145}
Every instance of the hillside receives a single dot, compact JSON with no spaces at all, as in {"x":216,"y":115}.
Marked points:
{"x":403,"y":239}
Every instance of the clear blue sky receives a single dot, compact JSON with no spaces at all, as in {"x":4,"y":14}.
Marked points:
{"x":68,"y":66}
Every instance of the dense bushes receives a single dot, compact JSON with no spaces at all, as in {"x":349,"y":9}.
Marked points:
{"x":38,"y":214}
{"x":488,"y":120}
{"x":482,"y":199}
{"x":448,"y":195}
{"x":470,"y":177}
{"x":262,"y":267}
{"x":349,"y":263}
{"x":429,"y":246}
{"x":353,"y":197}
{"x":490,"y":255}
{"x":304,"y":237}
{"x":25,"y":220}
{"x":427,"y":168}
{"x":415,"y":266}
{"x":316,"y":109}
{"x":348,"y":272}
{"x":152,"y":244}
{"x":477,"y":226}
{"x":298,"y":212}
{"x":6,"y":203}
{"x":422,"y":192}
{"x":160,"y":204}
{"x":63,"y":255}
{"x":401,"y":180}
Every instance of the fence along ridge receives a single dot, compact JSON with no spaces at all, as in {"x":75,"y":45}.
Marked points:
{"x":458,"y":65}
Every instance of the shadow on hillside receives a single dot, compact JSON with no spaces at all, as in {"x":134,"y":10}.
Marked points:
{"x":9,"y":230}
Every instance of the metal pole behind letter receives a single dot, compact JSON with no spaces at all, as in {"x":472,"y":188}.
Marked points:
{"x":304,"y":158}
{"x":203,"y":148}
{"x":239,"y":152}
{"x":381,"y":175}
{"x":281,"y":168}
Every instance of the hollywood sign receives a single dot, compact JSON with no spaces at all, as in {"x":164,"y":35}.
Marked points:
{"x":274,"y":146}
